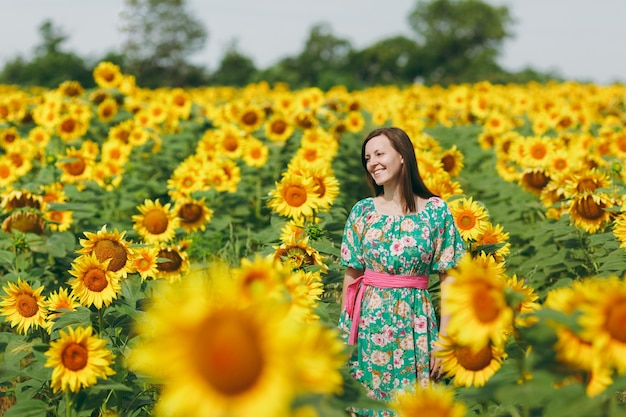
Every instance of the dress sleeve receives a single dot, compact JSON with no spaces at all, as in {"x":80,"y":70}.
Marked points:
{"x":449,"y":247}
{"x":351,"y":244}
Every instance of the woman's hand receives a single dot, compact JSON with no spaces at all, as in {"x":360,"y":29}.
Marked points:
{"x":436,"y":371}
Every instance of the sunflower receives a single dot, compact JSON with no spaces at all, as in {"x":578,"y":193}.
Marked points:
{"x":586,"y":182}
{"x":534,"y":180}
{"x":76,"y":166}
{"x":452,"y":161}
{"x":8,"y":174}
{"x":442,"y":185}
{"x":297,"y":254}
{"x":59,"y":220}
{"x":107,"y":75}
{"x":222,"y":355}
{"x":172,"y":263}
{"x":250,"y":118}
{"x":16,"y":199}
{"x":293,"y":229}
{"x":230,"y":141}
{"x":261,"y":277}
{"x":589,"y":211}
{"x":23,"y":306}
{"x":294,"y":196}
{"x":469,"y":365}
{"x":156,"y":223}
{"x":619,"y":229}
{"x":471,"y":217}
{"x":26,"y":221}
{"x":354,"y":121}
{"x":109,"y":245}
{"x":193,"y":214}
{"x":93,"y":283}
{"x":477,"y":305}
{"x":145,"y":261}
{"x":305,"y":289}
{"x":57,"y":303}
{"x":433,"y":400}
{"x":186,"y":178}
{"x":525,"y":301}
{"x":603,"y":321}
{"x":278,"y":128}
{"x":79,"y":358}
{"x":107,"y":110}
{"x":326,"y":185}
{"x":255,"y":153}
{"x":70,"y":127}
{"x":8,"y":136}
{"x":71,"y":89}
{"x":180,"y":102}
{"x":494,"y":235}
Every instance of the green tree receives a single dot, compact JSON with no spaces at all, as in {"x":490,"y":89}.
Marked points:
{"x":389,"y":61}
{"x":460,"y":39}
{"x":235,"y":68}
{"x":161,"y":36}
{"x":50,"y":65}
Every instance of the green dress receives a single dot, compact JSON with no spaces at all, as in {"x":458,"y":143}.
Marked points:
{"x":398,"y":326}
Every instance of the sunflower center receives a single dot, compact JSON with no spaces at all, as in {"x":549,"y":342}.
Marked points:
{"x":173,"y":263}
{"x":95,"y":280}
{"x":155,"y":221}
{"x":228,"y":354}
{"x":448,"y":162}
{"x":588,"y":208}
{"x":586,"y":185}
{"x":76,"y":167}
{"x":74,"y":357}
{"x":68,"y":126}
{"x":190,"y":213}
{"x":295,"y":196}
{"x":538,"y":151}
{"x":110,"y":249}
{"x":537,"y":179}
{"x":484,"y":303}
{"x":250,"y":118}
{"x":467,"y":221}
{"x":230,"y":143}
{"x":26,"y":305}
{"x":616,"y":322}
{"x":473,"y":361}
{"x":279,"y":127}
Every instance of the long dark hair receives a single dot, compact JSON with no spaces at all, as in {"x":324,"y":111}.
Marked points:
{"x":411,"y":183}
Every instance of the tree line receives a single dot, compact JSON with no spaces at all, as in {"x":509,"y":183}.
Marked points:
{"x":454,"y":41}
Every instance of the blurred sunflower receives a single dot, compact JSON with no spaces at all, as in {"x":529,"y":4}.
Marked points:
{"x":69,"y":127}
{"x":603,"y":321}
{"x":23,"y":306}
{"x":59,"y":220}
{"x":586,"y":182}
{"x":172,"y":262}
{"x":16,"y":199}
{"x":78,"y":359}
{"x":433,"y":400}
{"x":26,"y":221}
{"x":107,"y":110}
{"x":354,"y":121}
{"x":145,"y":260}
{"x":496,"y":236}
{"x":109,"y":245}
{"x":442,"y":185}
{"x":193,"y":214}
{"x":261,"y":277}
{"x":278,"y":128}
{"x":76,"y":166}
{"x":525,"y":301}
{"x":156,"y":223}
{"x":222,"y":355}
{"x":452,"y":161}
{"x":250,"y":118}
{"x":589,"y":211}
{"x":93,"y":283}
{"x":294,"y":196}
{"x":107,"y":75}
{"x":470,"y":217}
{"x":326,"y":185}
{"x":231,"y":141}
{"x":619,"y":229}
{"x":255,"y":153}
{"x":477,"y":305}
{"x":8,"y":174}
{"x":305,"y":289}
{"x":534,"y":180}
{"x":469,"y":365}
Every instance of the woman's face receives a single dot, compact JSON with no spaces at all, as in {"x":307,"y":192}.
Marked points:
{"x":383,"y":162}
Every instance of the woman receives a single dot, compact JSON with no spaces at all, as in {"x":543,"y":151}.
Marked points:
{"x":391,"y":244}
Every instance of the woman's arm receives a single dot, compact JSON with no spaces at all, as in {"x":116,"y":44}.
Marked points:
{"x":349,"y":277}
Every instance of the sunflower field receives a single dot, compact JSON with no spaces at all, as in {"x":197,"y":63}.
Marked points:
{"x":175,"y":252}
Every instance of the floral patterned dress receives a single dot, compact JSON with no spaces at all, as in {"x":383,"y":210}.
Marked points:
{"x":398,"y":326}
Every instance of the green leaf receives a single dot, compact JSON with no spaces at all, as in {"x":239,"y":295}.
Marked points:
{"x":27,"y":408}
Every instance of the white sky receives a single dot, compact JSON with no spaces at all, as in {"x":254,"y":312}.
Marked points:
{"x":580,"y":39}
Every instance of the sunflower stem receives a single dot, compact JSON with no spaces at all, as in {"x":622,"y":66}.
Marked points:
{"x":68,"y":403}
{"x":100,"y":321}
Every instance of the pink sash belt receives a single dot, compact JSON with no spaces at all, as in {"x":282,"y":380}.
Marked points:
{"x":355,"y":291}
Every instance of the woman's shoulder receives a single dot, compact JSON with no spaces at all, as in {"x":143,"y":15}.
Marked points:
{"x":438,"y":204}
{"x":363,"y":205}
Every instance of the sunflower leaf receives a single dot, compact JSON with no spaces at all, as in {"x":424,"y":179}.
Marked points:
{"x":27,"y":408}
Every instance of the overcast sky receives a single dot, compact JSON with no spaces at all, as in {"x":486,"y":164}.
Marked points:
{"x":579,"y":39}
